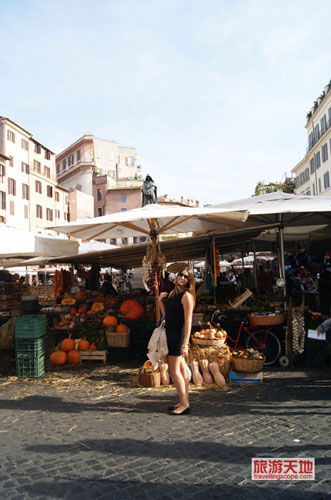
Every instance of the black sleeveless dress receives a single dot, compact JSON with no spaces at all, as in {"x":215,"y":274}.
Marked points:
{"x":174,"y":323}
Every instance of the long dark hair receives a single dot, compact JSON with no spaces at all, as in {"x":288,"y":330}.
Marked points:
{"x":189,"y":287}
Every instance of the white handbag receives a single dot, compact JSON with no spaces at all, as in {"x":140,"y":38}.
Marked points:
{"x":157,"y":345}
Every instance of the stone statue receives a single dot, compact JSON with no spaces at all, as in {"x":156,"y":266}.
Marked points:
{"x":149,"y":191}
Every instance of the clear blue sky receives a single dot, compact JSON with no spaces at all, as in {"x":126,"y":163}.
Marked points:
{"x":212,"y":93}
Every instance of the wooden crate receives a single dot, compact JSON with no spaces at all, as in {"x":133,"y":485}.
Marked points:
{"x":93,"y":355}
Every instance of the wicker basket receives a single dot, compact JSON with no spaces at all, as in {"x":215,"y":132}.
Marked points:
{"x":267,"y":320}
{"x":208,"y":343}
{"x":115,"y":339}
{"x":248,"y":365}
{"x":149,"y":379}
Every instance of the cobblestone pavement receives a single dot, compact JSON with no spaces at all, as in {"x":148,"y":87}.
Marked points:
{"x":94,"y":434}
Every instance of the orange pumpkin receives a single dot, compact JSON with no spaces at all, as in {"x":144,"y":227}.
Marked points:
{"x":74,"y":357}
{"x":58,"y":358}
{"x":73,"y":311}
{"x":131,"y":309}
{"x":121,"y":328}
{"x":83,"y":345}
{"x":110,"y":321}
{"x":67,"y":344}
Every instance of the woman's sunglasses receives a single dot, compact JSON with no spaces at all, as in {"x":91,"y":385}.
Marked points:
{"x":182,"y":275}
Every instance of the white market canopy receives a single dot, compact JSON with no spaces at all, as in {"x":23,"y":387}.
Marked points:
{"x":156,"y":219}
{"x":17,"y":245}
{"x":302,"y":216}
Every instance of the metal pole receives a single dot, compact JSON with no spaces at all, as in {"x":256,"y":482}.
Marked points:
{"x":281,"y":255}
{"x":242,"y":270}
{"x":255,"y":271}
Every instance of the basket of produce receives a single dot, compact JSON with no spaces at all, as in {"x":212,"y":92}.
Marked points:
{"x":118,"y":338}
{"x":209,"y":336}
{"x":248,"y":360}
{"x":148,"y":377}
{"x":266,"y":319}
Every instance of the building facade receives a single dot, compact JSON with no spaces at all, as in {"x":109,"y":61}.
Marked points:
{"x":30,"y":198}
{"x":313,"y":172}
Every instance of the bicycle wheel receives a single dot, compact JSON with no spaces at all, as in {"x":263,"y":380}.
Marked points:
{"x":266,"y":342}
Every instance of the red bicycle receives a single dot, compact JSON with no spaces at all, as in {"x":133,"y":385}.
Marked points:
{"x":260,"y":338}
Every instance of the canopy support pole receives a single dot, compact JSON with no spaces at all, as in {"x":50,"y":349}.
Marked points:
{"x":281,"y":254}
{"x":255,"y":270}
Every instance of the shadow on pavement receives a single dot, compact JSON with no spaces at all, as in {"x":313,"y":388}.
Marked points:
{"x":188,"y":450}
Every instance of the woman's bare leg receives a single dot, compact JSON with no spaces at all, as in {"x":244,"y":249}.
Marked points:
{"x":174,"y":364}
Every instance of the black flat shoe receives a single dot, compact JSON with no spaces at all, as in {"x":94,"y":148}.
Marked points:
{"x":187,"y":411}
{"x":172,"y":408}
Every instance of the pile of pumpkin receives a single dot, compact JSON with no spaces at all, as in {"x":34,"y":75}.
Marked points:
{"x":68,"y":353}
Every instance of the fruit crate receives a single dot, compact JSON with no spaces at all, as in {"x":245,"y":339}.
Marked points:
{"x":30,"y":366}
{"x":30,"y":326}
{"x":31,"y":348}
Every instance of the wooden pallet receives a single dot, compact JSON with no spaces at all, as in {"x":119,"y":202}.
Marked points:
{"x":93,"y":355}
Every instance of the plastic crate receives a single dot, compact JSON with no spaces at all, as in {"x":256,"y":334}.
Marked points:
{"x":30,"y":327}
{"x":30,"y":347}
{"x":30,"y":366}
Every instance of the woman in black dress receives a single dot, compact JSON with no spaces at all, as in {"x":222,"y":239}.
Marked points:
{"x":178,"y":311}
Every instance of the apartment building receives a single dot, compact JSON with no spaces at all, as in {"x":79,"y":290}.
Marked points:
{"x":313,"y":172}
{"x":30,"y":198}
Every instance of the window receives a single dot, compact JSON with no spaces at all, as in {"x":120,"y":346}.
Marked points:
{"x":326,"y":179}
{"x":11,"y":207}
{"x":142,"y":239}
{"x":24,"y":167}
{"x":325,"y":152}
{"x":57,"y":196}
{"x":57,"y":214}
{"x":12,"y":187}
{"x":310,"y":140}
{"x":49,"y":214}
{"x":135,"y":240}
{"x":99,"y":212}
{"x":66,"y":200}
{"x":37,"y":166}
{"x":25,"y":145}
{"x":47,"y":172}
{"x":64,"y":164}
{"x":57,"y":168}
{"x":319,"y":185}
{"x":66,"y":216}
{"x":25,"y":192}
{"x":308,"y":192}
{"x":2,"y":172}
{"x":49,"y":191}
{"x":323,"y":124}
{"x":112,"y":241}
{"x":123,"y":209}
{"x":11,"y":136}
{"x":2,"y":200}
{"x":47,"y":155}
{"x":70,"y":160}
{"x":123,"y":198}
{"x":99,"y":195}
{"x":317,"y":160}
{"x":312,"y":168}
{"x":11,"y":161}
{"x":38,"y":187}
{"x":124,"y":241}
{"x":39,"y":212}
{"x":37,"y":148}
{"x":316,"y":133}
{"x":78,"y":155}
{"x":26,"y":212}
